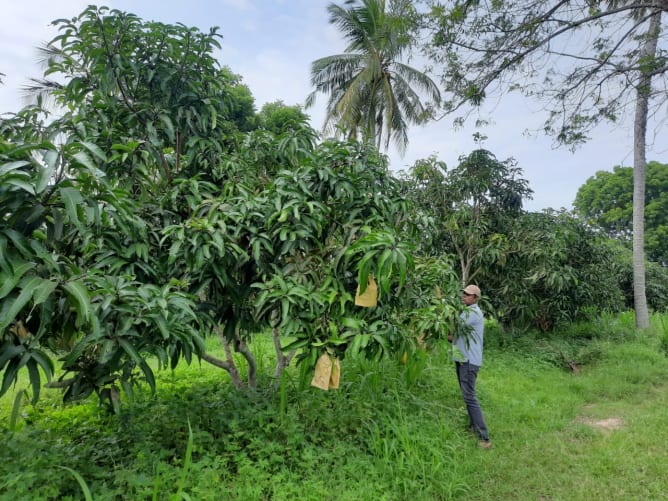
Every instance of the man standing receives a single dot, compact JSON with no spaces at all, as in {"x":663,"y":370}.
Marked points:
{"x":470,"y":343}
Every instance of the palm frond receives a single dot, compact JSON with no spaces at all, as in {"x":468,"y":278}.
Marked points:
{"x":47,"y":54}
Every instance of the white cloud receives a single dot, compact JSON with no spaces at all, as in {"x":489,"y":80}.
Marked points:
{"x":240,"y":5}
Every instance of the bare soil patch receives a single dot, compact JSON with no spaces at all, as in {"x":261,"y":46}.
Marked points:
{"x":608,"y":424}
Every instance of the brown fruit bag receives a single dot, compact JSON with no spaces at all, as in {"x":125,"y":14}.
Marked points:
{"x":323,"y":372}
{"x":369,"y":298}
{"x":336,"y":375}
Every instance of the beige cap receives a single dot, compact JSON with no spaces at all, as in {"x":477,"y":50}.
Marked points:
{"x":472,"y":289}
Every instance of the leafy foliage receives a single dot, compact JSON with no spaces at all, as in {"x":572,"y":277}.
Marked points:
{"x":155,"y":208}
{"x":549,"y":285}
{"x":606,"y":200}
{"x":468,"y":207}
{"x":656,"y":281}
{"x":473,"y":213}
{"x":146,"y":214}
{"x":277,"y":117}
{"x":483,"y":46}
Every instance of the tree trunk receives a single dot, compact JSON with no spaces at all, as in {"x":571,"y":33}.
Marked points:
{"x":282,"y":361}
{"x":647,"y":52}
{"x":241,"y":347}
{"x":228,"y":364}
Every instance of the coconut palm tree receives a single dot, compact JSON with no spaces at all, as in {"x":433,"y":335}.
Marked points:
{"x":373,"y":96}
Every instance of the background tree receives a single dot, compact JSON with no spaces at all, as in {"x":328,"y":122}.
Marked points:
{"x":468,"y":207}
{"x":484,"y":193}
{"x":588,"y":62}
{"x":657,"y":277}
{"x":606,"y":200}
{"x":555,"y":270}
{"x":373,"y":95}
{"x":277,"y":117}
{"x":472,"y":215}
{"x":138,"y":102}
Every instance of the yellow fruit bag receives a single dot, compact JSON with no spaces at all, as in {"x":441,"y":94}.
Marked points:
{"x":336,"y":375}
{"x":369,"y":298}
{"x":323,"y":372}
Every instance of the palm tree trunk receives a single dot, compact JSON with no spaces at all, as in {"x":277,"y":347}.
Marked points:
{"x":647,"y":52}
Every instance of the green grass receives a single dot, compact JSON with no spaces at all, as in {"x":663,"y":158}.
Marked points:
{"x":391,"y":432}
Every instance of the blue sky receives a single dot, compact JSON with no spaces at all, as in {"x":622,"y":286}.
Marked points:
{"x":271,"y":44}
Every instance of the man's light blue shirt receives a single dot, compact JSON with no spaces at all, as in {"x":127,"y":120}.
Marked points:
{"x":471,"y":346}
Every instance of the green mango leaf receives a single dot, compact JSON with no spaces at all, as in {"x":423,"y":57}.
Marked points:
{"x":16,"y":408}
{"x":385,"y":263}
{"x":78,"y":293}
{"x":28,"y":286}
{"x":127,"y":388}
{"x":148,"y":373}
{"x":5,"y":265}
{"x":85,"y":160}
{"x":21,"y":243}
{"x":355,"y":346}
{"x":351,"y":322}
{"x":295,"y":345}
{"x":44,"y":361}
{"x":72,"y":199}
{"x":95,"y":150}
{"x":168,"y":126}
{"x":130,"y":350}
{"x":162,"y":326}
{"x":44,"y":291}
{"x":45,"y":173}
{"x":152,"y":134}
{"x":9,"y":280}
{"x":35,"y":380}
{"x":20,"y":183}
{"x":403,"y":267}
{"x":12,"y":371}
{"x":55,"y":229}
{"x":9,"y":351}
{"x":10,"y":166}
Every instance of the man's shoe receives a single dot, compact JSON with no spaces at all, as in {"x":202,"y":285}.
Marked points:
{"x":485,"y":444}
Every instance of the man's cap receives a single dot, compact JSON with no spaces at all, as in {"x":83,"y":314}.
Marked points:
{"x":473,"y":290}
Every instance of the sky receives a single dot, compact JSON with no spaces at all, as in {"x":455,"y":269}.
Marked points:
{"x":272,"y":43}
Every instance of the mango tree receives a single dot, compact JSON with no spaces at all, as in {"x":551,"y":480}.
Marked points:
{"x":144,"y":116}
{"x":468,"y":207}
{"x":472,"y":214}
{"x":144,"y":215}
{"x":557,"y":270}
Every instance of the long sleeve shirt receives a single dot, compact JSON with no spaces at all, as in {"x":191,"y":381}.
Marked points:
{"x":471,"y":346}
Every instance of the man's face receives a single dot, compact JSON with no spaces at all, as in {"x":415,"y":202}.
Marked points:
{"x":468,"y":299}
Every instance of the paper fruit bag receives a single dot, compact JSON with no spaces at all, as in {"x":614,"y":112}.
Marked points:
{"x":369,"y":298}
{"x":327,"y":373}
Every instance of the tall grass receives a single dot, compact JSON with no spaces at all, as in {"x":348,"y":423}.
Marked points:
{"x":391,"y":432}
